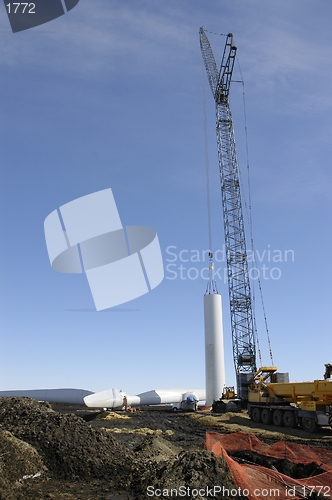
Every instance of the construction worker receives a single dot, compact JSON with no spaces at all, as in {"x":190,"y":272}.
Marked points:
{"x":328,"y":371}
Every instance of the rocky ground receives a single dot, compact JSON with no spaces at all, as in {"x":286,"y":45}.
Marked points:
{"x":65,"y":452}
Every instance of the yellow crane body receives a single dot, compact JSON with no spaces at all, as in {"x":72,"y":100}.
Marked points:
{"x":318,"y":390}
{"x":308,"y":404}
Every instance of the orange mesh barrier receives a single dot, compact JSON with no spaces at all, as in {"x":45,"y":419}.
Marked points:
{"x":296,"y":453}
{"x":259,"y":482}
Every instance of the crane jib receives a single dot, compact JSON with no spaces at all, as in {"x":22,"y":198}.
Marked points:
{"x":240,"y":298}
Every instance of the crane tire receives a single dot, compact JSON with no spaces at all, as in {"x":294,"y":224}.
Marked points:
{"x":277,"y":418}
{"x":256,"y":415}
{"x":309,"y":424}
{"x":266,"y":416}
{"x":289,"y":419}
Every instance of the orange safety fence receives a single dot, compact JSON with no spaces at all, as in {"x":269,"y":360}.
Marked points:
{"x":256,"y":481}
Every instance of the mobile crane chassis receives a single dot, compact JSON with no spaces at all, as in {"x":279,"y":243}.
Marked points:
{"x":308,"y":404}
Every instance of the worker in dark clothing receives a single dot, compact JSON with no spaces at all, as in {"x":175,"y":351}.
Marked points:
{"x":328,"y":371}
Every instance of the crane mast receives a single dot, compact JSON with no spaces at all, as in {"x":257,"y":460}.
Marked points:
{"x":240,"y":299}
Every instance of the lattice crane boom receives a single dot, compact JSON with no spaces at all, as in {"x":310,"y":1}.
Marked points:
{"x":209,"y":61}
{"x":242,"y":321}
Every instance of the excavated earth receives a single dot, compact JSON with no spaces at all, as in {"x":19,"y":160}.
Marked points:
{"x":65,"y":452}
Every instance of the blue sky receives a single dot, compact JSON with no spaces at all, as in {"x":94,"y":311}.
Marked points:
{"x":111,"y":95}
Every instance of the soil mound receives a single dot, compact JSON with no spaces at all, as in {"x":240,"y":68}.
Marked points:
{"x":18,"y":461}
{"x":194,"y":470}
{"x":69,"y":447}
{"x":156,"y":448}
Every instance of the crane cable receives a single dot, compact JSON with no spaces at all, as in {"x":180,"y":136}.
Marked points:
{"x":207,"y":167}
{"x":211,"y":286}
{"x":249,"y":216}
{"x":214,"y":33}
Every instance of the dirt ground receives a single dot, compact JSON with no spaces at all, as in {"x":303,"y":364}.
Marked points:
{"x":65,"y":452}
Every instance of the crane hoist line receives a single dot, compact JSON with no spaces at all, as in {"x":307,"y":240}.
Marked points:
{"x":240,"y":298}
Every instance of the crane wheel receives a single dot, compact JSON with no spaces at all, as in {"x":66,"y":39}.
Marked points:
{"x":256,"y":415}
{"x":289,"y":419}
{"x":266,"y":416}
{"x":309,"y":424}
{"x":277,"y":418}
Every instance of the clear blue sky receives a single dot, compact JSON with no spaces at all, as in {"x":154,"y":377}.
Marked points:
{"x":110,"y":95}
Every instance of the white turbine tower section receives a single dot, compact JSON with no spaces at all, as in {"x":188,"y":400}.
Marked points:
{"x":214,"y":348}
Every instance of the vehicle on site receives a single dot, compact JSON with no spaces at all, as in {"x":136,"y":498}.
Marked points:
{"x":289,"y":404}
{"x":228,"y":401}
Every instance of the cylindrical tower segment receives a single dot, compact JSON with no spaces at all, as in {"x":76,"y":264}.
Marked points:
{"x":214,"y":348}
